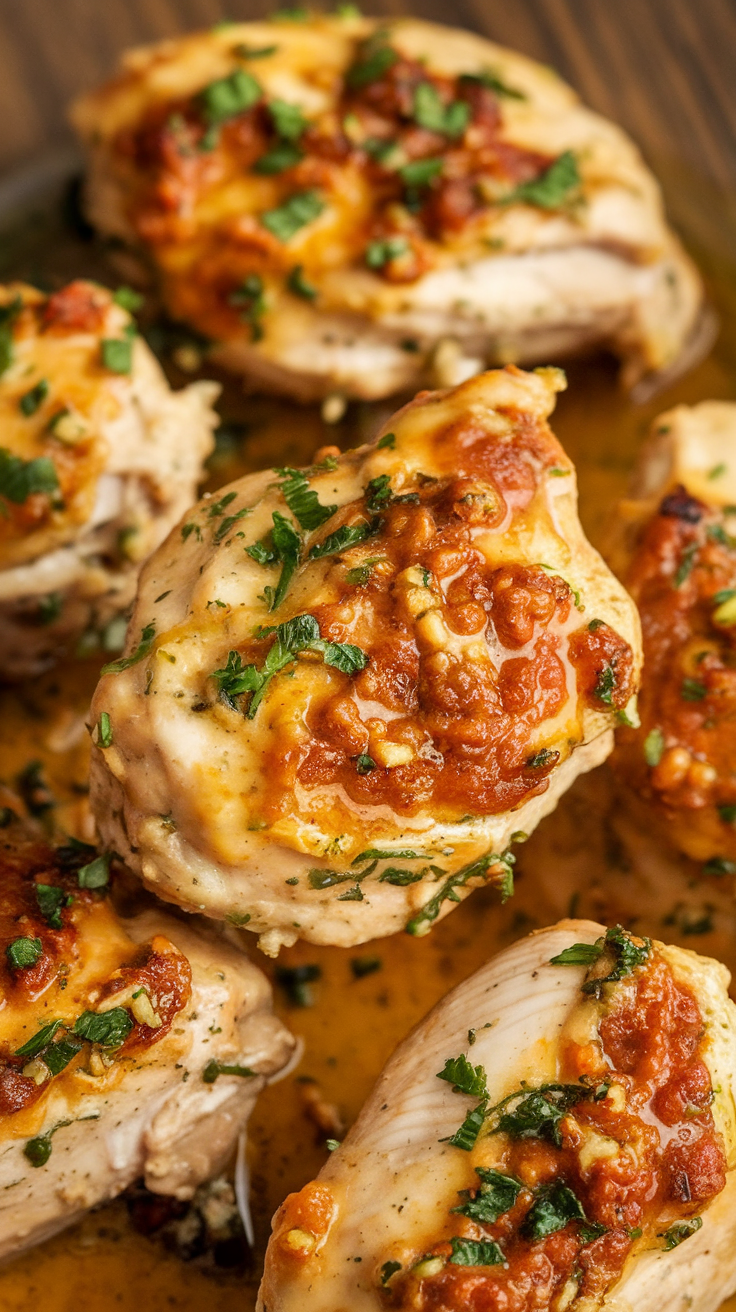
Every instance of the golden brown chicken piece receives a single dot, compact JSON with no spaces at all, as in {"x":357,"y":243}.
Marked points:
{"x":343,"y":204}
{"x":98,"y":459}
{"x":347,"y":689}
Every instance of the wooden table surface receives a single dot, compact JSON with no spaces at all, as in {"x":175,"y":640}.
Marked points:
{"x":663,"y":68}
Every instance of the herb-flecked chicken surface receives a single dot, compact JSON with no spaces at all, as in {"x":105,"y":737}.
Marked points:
{"x":559,"y":1133}
{"x":339,"y":204}
{"x":129,"y":1047}
{"x":675,"y":550}
{"x":98,"y":459}
{"x":347,"y":689}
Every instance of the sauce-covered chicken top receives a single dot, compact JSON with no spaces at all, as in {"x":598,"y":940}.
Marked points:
{"x":376,"y":659}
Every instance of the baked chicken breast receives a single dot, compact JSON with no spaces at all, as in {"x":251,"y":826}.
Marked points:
{"x":676,"y":551}
{"x":342,"y":204}
{"x":347,"y":689}
{"x":98,"y":459}
{"x":559,"y":1133}
{"x":128,"y":1047}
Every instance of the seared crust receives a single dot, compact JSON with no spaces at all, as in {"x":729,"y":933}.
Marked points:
{"x":466,"y":657}
{"x":81,"y":1118}
{"x":427,"y":138}
{"x":675,"y":549}
{"x":99,"y":459}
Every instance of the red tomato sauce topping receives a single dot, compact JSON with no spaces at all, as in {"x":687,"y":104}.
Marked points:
{"x":668,"y":1165}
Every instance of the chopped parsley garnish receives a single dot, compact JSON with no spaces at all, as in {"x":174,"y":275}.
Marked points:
{"x":117,"y":354}
{"x":374,"y":59}
{"x":24,"y":952}
{"x":96,"y":874}
{"x":378,"y":492}
{"x":50,"y":607}
{"x":421,"y":923}
{"x":387,"y":442}
{"x":128,"y":299}
{"x":108,"y":1028}
{"x":388,"y":854}
{"x":255,"y":52}
{"x":605,"y":685}
{"x":471,"y":1127}
{"x":552,"y":188}
{"x":58,"y":1055}
{"x":251,"y":302}
{"x":463,"y":1077}
{"x":495,"y":1196}
{"x":349,"y":535}
{"x":536,"y":1113}
{"x":20,"y":479}
{"x":693,"y":690}
{"x":40,"y":1040}
{"x":541,"y":758}
{"x":654,"y":747}
{"x":493,"y":82}
{"x":295,"y":981}
{"x":719,"y":865}
{"x":8,"y":314}
{"x":214,"y":1068}
{"x":287,"y":119}
{"x":401,"y":878}
{"x":299,"y":210}
{"x":624,"y":955}
{"x":31,"y":401}
{"x":302,"y":500}
{"x":430,"y":112}
{"x":38,"y":1150}
{"x":224,"y":528}
{"x":475,"y":1252}
{"x":298,"y":284}
{"x":284,"y":155}
{"x":687,"y":560}
{"x":554,"y":1206}
{"x":293,"y":636}
{"x":104,"y":730}
{"x":679,"y":1232}
{"x":727,"y":813}
{"x":378,"y":253}
{"x":229,"y":96}
{"x":50,"y":901}
{"x":388,"y":1270}
{"x":142,"y":650}
{"x":362,"y":966}
{"x":364,"y":763}
{"x":285,"y":549}
{"x":420,"y":172}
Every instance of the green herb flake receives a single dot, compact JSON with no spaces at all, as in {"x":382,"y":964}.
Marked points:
{"x":298,"y":284}
{"x":728,"y":813}
{"x":430,"y":112}
{"x":496,"y":1195}
{"x":141,"y":651}
{"x":287,"y":119}
{"x":38,"y":1150}
{"x":536,"y":1113}
{"x":364,"y":763}
{"x":293,"y":636}
{"x":420,"y":172}
{"x":286,"y":550}
{"x":32,"y":400}
{"x":362,"y":966}
{"x":250,"y":299}
{"x":678,"y":1233}
{"x":687,"y":560}
{"x":117,"y":354}
{"x":20,"y":479}
{"x":58,"y":1055}
{"x":343,"y":538}
{"x":541,"y":759}
{"x":693,"y":690}
{"x":717,"y":471}
{"x":284,"y":155}
{"x":422,"y":922}
{"x":50,"y":901}
{"x":475,"y":1252}
{"x":555,"y":1206}
{"x":303,"y":501}
{"x":40,"y":1040}
{"x":387,"y":442}
{"x":254,"y":52}
{"x":719,"y":865}
{"x":374,"y":60}
{"x":96,"y":874}
{"x":378,"y":492}
{"x":466,"y":1136}
{"x":654,"y":747}
{"x":553,"y":188}
{"x":381,"y":252}
{"x":108,"y":1028}
{"x":215,"y":1068}
{"x":463,"y":1077}
{"x":24,"y":952}
{"x":287,"y":219}
{"x":228,"y":97}
{"x":104,"y":730}
{"x":295,"y":981}
{"x":8,"y":314}
{"x":624,"y":955}
{"x":388,"y":1270}
{"x":579,"y":954}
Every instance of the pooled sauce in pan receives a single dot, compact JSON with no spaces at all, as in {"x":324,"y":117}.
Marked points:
{"x":587,"y":859}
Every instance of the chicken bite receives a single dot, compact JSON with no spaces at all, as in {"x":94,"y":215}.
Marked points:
{"x":350,"y":205}
{"x":129,"y":1047}
{"x":675,"y":549}
{"x":98,"y":459}
{"x":347,"y":689}
{"x":558,"y":1133}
